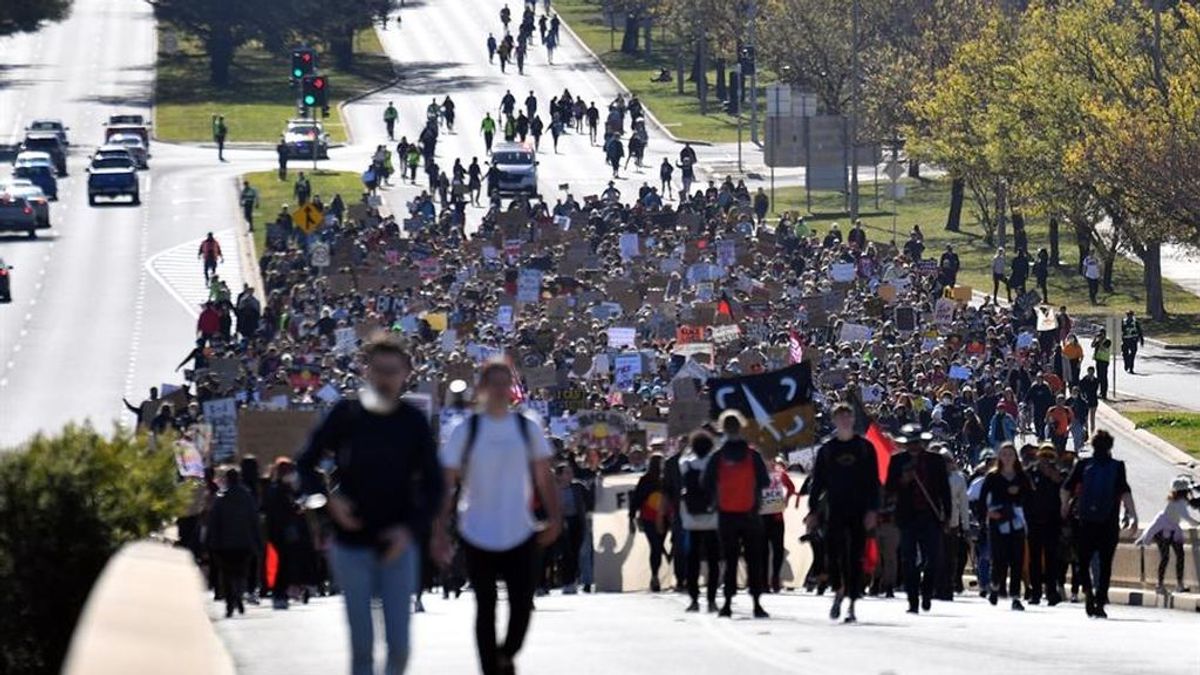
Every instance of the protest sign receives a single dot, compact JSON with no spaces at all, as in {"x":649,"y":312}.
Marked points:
{"x":529,"y":285}
{"x":959,"y":372}
{"x":842,"y":272}
{"x":602,"y":429}
{"x":628,"y":243}
{"x":222,"y":414}
{"x":268,"y":434}
{"x":621,"y":337}
{"x":943,"y":313}
{"x":686,"y":415}
{"x":345,"y":340}
{"x":725,"y":334}
{"x":626,"y":368}
{"x":504,"y":318}
{"x":906,"y":319}
{"x":854,"y":332}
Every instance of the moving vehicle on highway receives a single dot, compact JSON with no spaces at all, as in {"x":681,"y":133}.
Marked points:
{"x":16,"y":215}
{"x":38,"y":168}
{"x":517,"y":166}
{"x":48,"y":125}
{"x":49,"y":143}
{"x":5,"y":281}
{"x":113,"y":173}
{"x":127,"y":118}
{"x":21,"y":187}
{"x":139,"y":130}
{"x":136,"y":147}
{"x":299,"y":136}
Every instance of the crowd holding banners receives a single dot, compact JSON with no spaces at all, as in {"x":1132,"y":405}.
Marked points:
{"x":630,"y":325}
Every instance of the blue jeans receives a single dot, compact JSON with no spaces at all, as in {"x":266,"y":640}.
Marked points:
{"x":363,"y":576}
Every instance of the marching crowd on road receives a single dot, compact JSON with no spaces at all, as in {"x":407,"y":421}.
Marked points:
{"x":479,"y":380}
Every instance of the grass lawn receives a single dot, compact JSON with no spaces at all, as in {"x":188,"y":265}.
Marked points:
{"x":273,"y":192}
{"x":927,"y":203}
{"x":679,"y":112}
{"x":1181,"y":429}
{"x":259,"y":100}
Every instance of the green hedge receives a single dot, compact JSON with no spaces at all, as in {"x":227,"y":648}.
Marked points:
{"x":67,"y":503}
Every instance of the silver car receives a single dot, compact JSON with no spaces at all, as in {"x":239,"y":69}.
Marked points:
{"x":136,"y":147}
{"x":47,"y":125}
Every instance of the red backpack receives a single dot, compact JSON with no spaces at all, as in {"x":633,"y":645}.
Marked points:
{"x":737,"y":484}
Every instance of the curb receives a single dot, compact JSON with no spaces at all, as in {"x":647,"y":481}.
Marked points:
{"x":1165,"y":450}
{"x":621,"y":85}
{"x":247,"y":254}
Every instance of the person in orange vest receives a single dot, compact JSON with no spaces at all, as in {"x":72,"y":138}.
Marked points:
{"x":737,"y":475}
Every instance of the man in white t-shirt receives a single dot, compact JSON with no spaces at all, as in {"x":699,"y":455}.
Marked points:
{"x":493,"y":458}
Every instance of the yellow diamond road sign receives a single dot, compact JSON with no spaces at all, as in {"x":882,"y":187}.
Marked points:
{"x":307,"y":218}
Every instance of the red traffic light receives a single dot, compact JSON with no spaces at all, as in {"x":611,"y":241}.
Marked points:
{"x":306,"y":57}
{"x":318,"y":83}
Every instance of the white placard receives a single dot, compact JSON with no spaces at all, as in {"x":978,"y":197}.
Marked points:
{"x":620,"y":337}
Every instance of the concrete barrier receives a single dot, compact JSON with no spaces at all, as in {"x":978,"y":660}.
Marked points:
{"x":622,"y":558}
{"x":146,"y":615}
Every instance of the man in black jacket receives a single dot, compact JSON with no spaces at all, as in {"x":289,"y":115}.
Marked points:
{"x":233,"y":536}
{"x":1045,"y":526}
{"x":921,"y":486}
{"x":387,"y":489}
{"x":845,"y":491}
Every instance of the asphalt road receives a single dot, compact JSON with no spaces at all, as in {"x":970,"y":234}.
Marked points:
{"x":642,"y":633}
{"x":89,"y":323}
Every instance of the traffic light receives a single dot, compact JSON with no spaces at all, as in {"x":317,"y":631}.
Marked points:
{"x":314,"y":91}
{"x":304,"y":62}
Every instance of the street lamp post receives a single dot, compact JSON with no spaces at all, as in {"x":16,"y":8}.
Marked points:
{"x":854,"y":12}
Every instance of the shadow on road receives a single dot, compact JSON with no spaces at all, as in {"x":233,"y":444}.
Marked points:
{"x":425,"y":77}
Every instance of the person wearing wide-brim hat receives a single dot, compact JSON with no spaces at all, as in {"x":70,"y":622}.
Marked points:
{"x":1166,"y":532}
{"x":918,"y":480}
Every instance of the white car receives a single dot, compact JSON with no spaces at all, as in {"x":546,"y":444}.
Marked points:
{"x":300,"y":135}
{"x":33,"y":195}
{"x":136,"y":147}
{"x":516,"y":164}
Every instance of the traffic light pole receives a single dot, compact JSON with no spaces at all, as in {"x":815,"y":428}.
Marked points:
{"x":753,"y":75}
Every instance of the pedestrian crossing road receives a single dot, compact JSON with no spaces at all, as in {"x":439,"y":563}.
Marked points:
{"x":182,"y":275}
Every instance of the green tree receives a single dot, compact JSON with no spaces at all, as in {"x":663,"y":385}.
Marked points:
{"x":224,"y":25}
{"x":67,"y":503}
{"x":19,"y":16}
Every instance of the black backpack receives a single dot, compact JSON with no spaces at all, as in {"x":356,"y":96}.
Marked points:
{"x":696,"y":496}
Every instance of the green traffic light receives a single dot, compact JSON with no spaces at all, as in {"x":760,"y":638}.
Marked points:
{"x":296,"y":72}
{"x":310,"y":99}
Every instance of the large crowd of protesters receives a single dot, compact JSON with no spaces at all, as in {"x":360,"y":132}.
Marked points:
{"x":979,"y":409}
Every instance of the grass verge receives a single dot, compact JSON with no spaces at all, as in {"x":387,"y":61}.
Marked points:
{"x":273,"y":192}
{"x":259,"y":101}
{"x":1181,"y":429}
{"x":926,"y":205}
{"x":678,"y":112}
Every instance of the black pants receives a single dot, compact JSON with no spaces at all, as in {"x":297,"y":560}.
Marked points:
{"x":817,"y":570}
{"x":997,"y":279}
{"x":231,"y":569}
{"x":1043,"y":560}
{"x":1102,"y":375}
{"x":920,"y":556}
{"x":1165,"y":546}
{"x":742,"y":534}
{"x":949,"y":577}
{"x":287,"y":571}
{"x":391,"y":128}
{"x":844,"y":540}
{"x":1129,"y":348}
{"x":1093,"y":289}
{"x":516,"y":567}
{"x":773,"y":551}
{"x":571,"y":542}
{"x":1008,"y":560}
{"x":656,"y":540}
{"x":1096,"y":539}
{"x":283,"y":168}
{"x":703,"y":545}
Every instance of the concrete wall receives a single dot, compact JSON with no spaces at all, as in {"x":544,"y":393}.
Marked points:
{"x":146,"y":615}
{"x":622,"y":559}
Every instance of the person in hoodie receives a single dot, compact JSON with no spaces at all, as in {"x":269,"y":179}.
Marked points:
{"x":736,"y":475}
